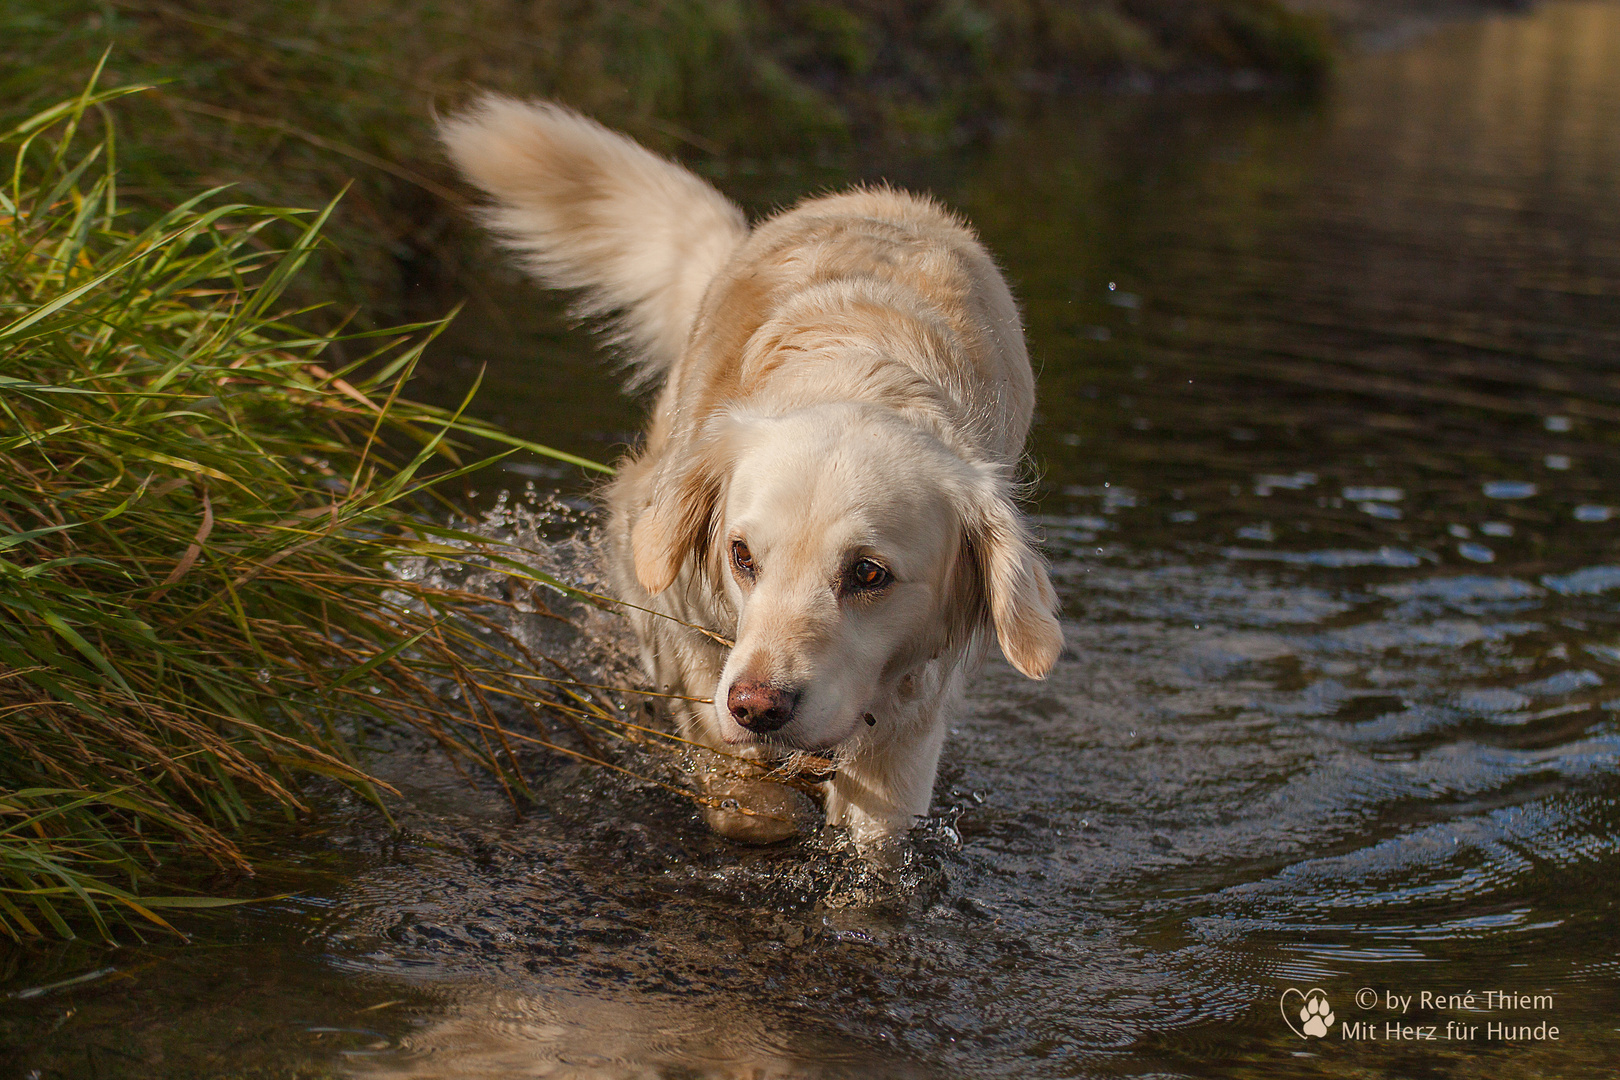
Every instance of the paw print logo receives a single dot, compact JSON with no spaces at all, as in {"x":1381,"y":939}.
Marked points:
{"x":1312,"y":1008}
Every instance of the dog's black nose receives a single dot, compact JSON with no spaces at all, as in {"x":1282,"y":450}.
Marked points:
{"x":761,"y":707}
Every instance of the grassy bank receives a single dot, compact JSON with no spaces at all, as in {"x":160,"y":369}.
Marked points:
{"x":202,"y":506}
{"x":290,"y":99}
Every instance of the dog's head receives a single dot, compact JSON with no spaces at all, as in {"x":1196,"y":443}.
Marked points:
{"x":853,"y":548}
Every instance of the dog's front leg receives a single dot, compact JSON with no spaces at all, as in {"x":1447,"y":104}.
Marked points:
{"x":882,"y":789}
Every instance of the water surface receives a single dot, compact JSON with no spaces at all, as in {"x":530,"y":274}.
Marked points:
{"x":1328,"y":455}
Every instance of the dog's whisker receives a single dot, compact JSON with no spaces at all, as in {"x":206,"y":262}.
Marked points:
{"x":705,"y":631}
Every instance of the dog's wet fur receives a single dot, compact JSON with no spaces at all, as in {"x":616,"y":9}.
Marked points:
{"x":827,"y":480}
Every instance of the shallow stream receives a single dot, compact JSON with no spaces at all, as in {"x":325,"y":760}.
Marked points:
{"x":1329,"y":456}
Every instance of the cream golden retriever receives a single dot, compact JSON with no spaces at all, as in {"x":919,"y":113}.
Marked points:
{"x":828,"y":475}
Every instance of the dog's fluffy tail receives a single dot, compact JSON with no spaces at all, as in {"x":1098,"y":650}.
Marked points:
{"x":590,"y":209}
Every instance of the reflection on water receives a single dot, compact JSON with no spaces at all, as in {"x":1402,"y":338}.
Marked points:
{"x":1329,"y":466}
{"x":491,"y":1035}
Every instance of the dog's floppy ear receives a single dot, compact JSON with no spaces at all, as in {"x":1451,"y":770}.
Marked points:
{"x":680,"y":521}
{"x":1011,"y":576}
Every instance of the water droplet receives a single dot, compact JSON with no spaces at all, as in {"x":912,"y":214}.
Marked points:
{"x":1593,"y":513}
{"x":263,"y":676}
{"x":1268,"y":482}
{"x":1476,"y":552}
{"x":1496,"y":528}
{"x":1508,"y":489}
{"x":1374,"y":494}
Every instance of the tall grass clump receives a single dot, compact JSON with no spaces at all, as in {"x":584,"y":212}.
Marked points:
{"x":200,"y":507}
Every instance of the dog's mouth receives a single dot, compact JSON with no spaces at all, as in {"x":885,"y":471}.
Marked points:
{"x":804,"y":766}
{"x":781,"y":746}
{"x":787,"y":760}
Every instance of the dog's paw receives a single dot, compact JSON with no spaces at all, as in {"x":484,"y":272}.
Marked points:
{"x":757,"y":811}
{"x":1316,"y":1015}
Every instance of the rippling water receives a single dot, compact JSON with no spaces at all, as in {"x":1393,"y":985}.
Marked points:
{"x":1330,"y":454}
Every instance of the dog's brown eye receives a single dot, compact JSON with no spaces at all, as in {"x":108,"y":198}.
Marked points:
{"x":742,"y":557}
{"x":868,"y":576}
